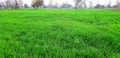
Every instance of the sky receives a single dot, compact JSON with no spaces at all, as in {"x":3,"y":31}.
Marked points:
{"x":71,"y":2}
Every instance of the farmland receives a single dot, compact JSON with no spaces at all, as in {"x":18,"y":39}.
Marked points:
{"x":54,"y":33}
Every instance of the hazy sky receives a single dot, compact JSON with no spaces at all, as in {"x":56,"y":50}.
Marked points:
{"x":71,"y":1}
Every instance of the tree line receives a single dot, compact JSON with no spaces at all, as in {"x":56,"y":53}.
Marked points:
{"x":16,"y":4}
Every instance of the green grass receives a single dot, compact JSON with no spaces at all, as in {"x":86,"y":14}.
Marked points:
{"x":50,"y":33}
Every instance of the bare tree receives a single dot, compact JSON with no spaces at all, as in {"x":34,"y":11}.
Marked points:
{"x":109,"y":5}
{"x":14,"y":4}
{"x":55,"y":4}
{"x":37,"y":3}
{"x":77,"y":2}
{"x":84,"y":4}
{"x":8,"y":4}
{"x":50,"y":3}
{"x":118,"y":4}
{"x":20,"y":3}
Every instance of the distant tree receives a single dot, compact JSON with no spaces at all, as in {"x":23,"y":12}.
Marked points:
{"x":55,"y":4}
{"x":1,"y":5}
{"x":109,"y":5}
{"x":9,"y":4}
{"x":45,"y":6}
{"x":66,"y":5}
{"x":98,"y":6}
{"x":118,"y":4}
{"x":114,"y":6}
{"x":77,"y":3}
{"x":14,"y":4}
{"x":50,"y":3}
{"x":90,"y":4}
{"x":102,"y":6}
{"x":84,"y":4}
{"x":26,"y":6}
{"x":20,"y":2}
{"x":37,"y":3}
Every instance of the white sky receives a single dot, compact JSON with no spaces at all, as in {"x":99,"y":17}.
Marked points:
{"x":71,"y":1}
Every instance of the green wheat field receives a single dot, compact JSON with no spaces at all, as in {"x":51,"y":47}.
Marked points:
{"x":59,"y":33}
